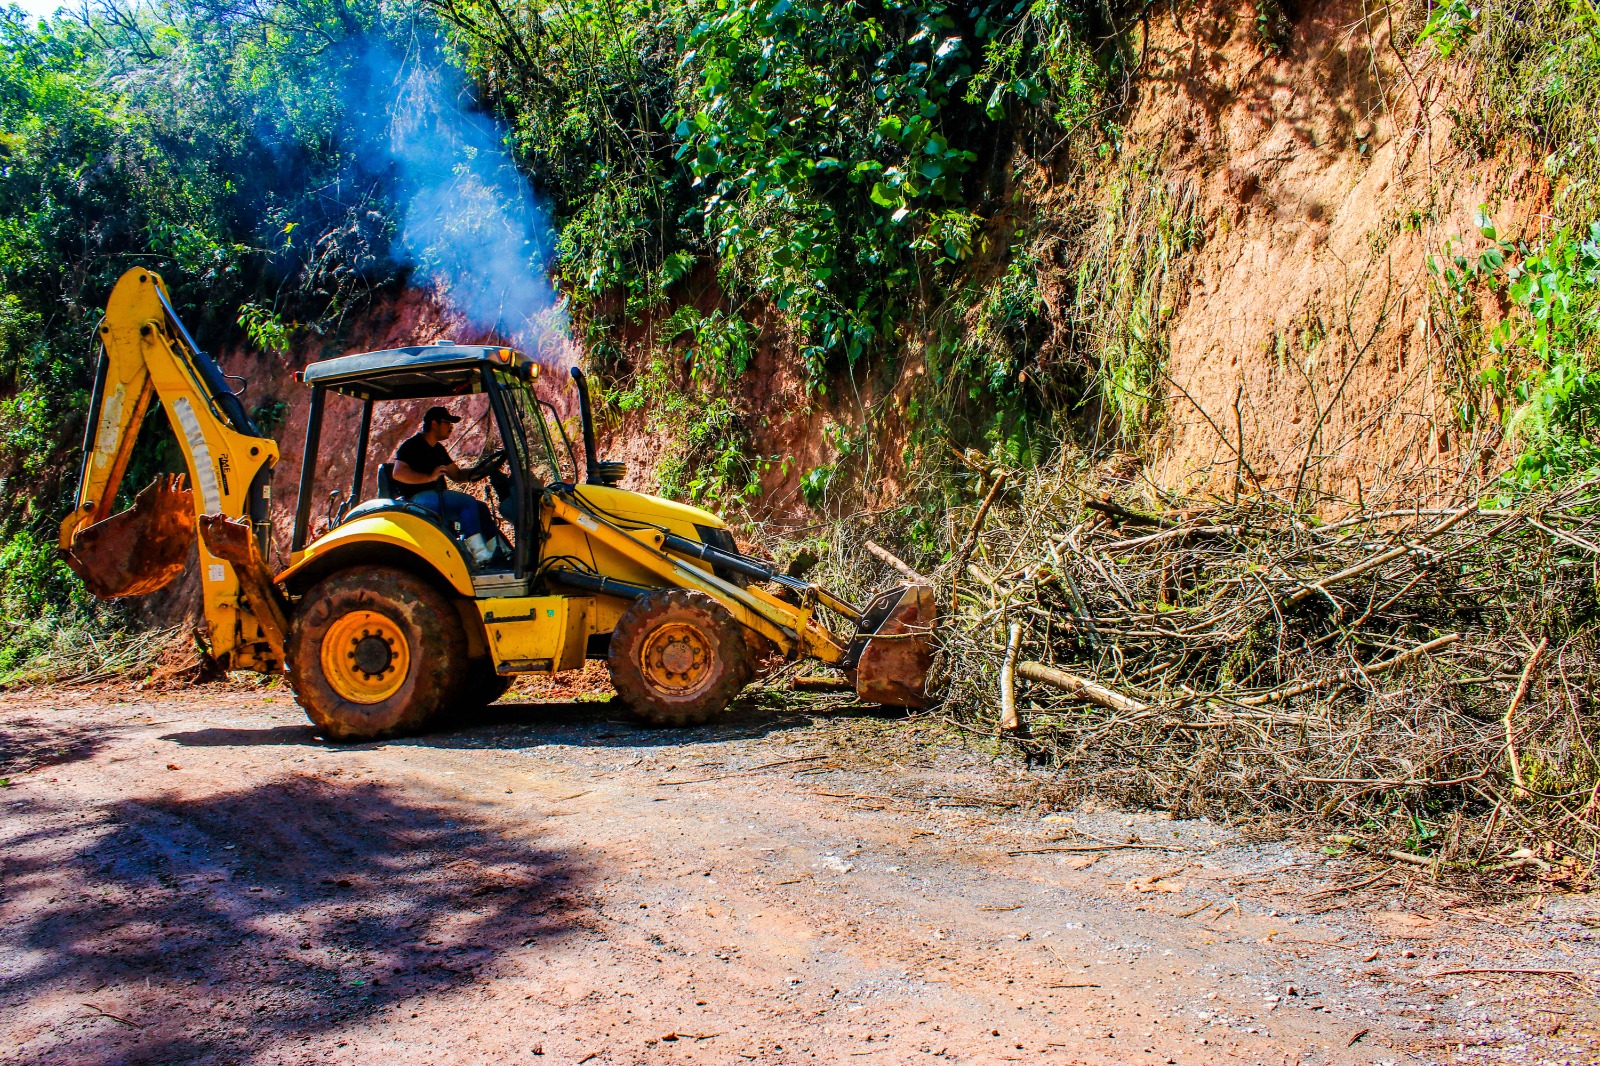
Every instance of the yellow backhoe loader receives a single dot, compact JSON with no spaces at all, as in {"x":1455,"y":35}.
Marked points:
{"x":384,"y":620}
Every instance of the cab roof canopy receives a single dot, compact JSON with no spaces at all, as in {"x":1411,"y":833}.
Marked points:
{"x":426,"y":371}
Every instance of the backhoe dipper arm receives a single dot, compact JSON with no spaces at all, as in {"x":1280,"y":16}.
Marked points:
{"x":147,"y":352}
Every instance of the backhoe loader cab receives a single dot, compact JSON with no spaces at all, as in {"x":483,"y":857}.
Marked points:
{"x":382,"y":619}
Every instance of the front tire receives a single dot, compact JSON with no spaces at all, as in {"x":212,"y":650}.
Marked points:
{"x":678,"y":657}
{"x":375,"y":652}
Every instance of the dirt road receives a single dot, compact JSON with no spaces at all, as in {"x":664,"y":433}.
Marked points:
{"x":199,"y":879}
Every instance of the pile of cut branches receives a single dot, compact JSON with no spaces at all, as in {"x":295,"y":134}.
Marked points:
{"x":1419,"y":679}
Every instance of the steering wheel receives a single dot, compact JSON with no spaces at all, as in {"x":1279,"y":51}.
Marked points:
{"x":492,"y":461}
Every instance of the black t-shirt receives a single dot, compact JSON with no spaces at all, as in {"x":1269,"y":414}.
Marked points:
{"x":422,"y":457}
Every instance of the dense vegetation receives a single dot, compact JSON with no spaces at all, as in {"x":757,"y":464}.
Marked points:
{"x":1535,"y":70}
{"x":827,"y":163}
{"x":846,"y":182}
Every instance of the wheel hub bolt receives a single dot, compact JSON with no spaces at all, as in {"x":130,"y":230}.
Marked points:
{"x":373,"y":655}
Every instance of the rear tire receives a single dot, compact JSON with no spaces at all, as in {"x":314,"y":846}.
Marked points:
{"x":375,"y":652}
{"x":678,"y":658}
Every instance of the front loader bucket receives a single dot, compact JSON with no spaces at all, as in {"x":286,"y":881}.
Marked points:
{"x":893,"y":648}
{"x":139,"y":550}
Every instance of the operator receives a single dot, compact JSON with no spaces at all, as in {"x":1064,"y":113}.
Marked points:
{"x":422,"y":463}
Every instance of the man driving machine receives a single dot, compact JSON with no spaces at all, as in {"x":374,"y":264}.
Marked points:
{"x":422,"y":463}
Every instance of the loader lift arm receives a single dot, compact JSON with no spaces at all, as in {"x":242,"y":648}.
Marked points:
{"x":145,"y":353}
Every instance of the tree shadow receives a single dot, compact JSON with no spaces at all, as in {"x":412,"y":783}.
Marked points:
{"x":28,"y":744}
{"x":213,"y":928}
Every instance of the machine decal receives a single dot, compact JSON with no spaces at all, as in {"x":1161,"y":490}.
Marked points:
{"x":108,"y":433}
{"x":205,"y":474}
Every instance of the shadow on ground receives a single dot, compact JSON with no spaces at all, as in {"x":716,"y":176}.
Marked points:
{"x":28,"y":744}
{"x":514,"y":725}
{"x":218,"y":927}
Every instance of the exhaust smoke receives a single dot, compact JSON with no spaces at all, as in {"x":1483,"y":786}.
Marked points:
{"x":468,"y":223}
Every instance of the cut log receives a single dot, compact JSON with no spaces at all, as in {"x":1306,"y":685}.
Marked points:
{"x":820,"y":683}
{"x":1081,"y":687}
{"x":1008,"y":682}
{"x":894,"y":561}
{"x":1511,"y":712}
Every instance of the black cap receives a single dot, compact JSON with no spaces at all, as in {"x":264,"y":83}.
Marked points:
{"x":439,"y":414}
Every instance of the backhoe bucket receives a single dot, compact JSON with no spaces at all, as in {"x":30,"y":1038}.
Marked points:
{"x":139,"y":550}
{"x":893,"y":647}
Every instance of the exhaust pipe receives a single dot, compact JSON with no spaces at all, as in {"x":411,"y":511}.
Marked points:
{"x":591,"y":465}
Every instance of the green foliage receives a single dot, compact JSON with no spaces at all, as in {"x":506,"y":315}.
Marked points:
{"x":52,"y":623}
{"x":820,"y":139}
{"x":823,"y":158}
{"x":1130,"y":291}
{"x":832,"y":147}
{"x":814,"y":484}
{"x":719,"y":344}
{"x":1005,"y":328}
{"x":849,"y":443}
{"x":1544,"y":347}
{"x":819,"y":154}
{"x":683,"y":395}
{"x":586,"y":86}
{"x":1043,"y":60}
{"x":265,"y":328}
{"x":1448,"y":26}
{"x":1272,"y":26}
{"x":1536,"y":64}
{"x":709,"y":457}
{"x":270,"y":415}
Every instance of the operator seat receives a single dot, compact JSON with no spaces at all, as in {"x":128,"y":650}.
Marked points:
{"x":386,"y":481}
{"x":388,"y":500}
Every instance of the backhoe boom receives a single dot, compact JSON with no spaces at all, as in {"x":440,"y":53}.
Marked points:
{"x":147,"y":353}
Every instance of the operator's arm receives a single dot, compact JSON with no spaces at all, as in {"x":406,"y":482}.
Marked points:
{"x":406,"y":475}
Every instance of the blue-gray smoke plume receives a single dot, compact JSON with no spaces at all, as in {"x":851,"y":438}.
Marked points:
{"x":468,"y":222}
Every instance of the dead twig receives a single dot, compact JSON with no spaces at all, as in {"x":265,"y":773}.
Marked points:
{"x":113,"y":1017}
{"x":746,"y":773}
{"x":1569,"y":975}
{"x":1093,"y":847}
{"x":1511,"y":710}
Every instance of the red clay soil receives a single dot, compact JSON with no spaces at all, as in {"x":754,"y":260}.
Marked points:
{"x":198,"y":878}
{"x":1325,"y":176}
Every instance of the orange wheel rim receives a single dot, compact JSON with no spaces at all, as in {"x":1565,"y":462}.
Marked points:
{"x":365,"y":657}
{"x":677,"y":659}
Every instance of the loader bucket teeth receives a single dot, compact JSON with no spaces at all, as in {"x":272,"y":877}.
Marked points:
{"x":139,"y":550}
{"x":893,"y":648}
